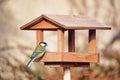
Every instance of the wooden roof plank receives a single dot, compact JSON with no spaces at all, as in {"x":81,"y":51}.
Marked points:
{"x":67,"y":22}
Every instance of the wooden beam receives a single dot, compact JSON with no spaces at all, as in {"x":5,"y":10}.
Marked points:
{"x":76,"y":57}
{"x":61,"y":43}
{"x":71,"y":48}
{"x":39,"y":36}
{"x":71,"y":40}
{"x":67,"y":64}
{"x":92,"y":41}
{"x":60,"y":40}
{"x":70,"y":57}
{"x":51,"y":57}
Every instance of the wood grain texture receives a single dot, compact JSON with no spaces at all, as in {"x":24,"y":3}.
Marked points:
{"x":71,"y":48}
{"x":60,"y":40}
{"x":70,"y":57}
{"x":71,"y":40}
{"x":39,"y":36}
{"x":44,"y":24}
{"x":92,"y":41}
{"x":67,"y":22}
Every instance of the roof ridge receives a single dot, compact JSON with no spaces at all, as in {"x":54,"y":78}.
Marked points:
{"x":54,"y":21}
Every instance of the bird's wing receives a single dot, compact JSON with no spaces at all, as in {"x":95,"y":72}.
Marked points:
{"x":36,"y":52}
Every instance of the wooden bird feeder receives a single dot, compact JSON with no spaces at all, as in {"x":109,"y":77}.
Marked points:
{"x":70,"y":23}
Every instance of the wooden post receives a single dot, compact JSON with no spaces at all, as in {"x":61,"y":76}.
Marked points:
{"x":39,"y":36}
{"x":60,"y":47}
{"x":71,"y":40}
{"x":61,"y":44}
{"x":67,"y":73}
{"x":92,"y":41}
{"x":71,"y":48}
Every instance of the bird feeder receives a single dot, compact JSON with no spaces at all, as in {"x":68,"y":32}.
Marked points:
{"x":70,"y":23}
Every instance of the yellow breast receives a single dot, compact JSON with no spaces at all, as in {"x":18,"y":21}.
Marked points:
{"x":41,"y":54}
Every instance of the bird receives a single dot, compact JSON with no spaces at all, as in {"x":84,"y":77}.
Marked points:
{"x":37,"y":53}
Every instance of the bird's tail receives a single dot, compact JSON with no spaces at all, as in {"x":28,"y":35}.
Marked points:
{"x":30,"y":62}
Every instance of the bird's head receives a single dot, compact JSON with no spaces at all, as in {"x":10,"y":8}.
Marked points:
{"x":44,"y":44}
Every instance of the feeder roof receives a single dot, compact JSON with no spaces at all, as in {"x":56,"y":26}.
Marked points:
{"x":67,"y":22}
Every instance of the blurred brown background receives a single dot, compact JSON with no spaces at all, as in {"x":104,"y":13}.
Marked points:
{"x":16,"y":45}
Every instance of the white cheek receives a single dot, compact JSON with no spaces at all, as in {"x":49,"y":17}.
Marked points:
{"x":42,"y":44}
